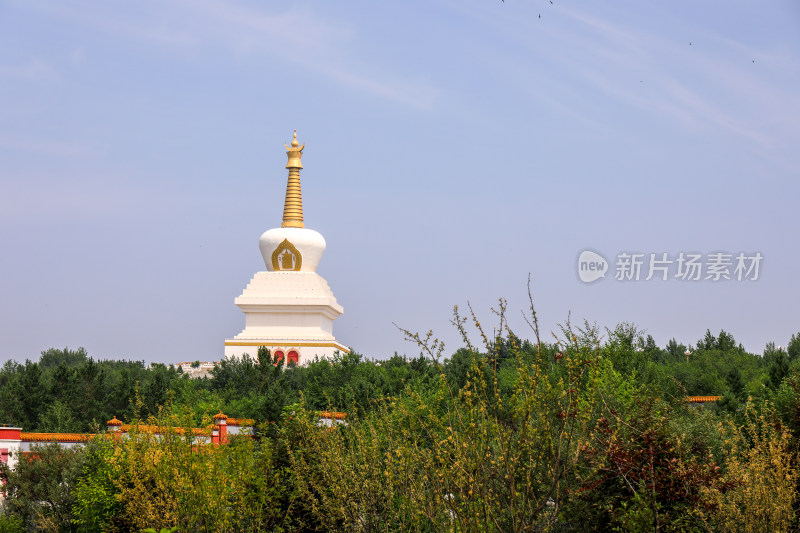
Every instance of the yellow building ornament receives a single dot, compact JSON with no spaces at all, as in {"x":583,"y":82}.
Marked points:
{"x":293,"y":205}
{"x":286,"y":257}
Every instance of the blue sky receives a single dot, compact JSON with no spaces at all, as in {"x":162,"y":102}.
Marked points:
{"x":452,"y":147}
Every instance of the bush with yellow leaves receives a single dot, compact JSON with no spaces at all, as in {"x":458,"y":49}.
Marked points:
{"x":763,"y":469}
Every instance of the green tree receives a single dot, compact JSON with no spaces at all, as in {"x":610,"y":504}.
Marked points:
{"x":34,"y":395}
{"x":778,"y":370}
{"x":173,"y":478}
{"x":40,"y":489}
{"x":97,"y":506}
{"x":57,"y":418}
{"x":736,"y":384}
{"x":53,"y":357}
{"x":793,"y":348}
{"x":676,"y":352}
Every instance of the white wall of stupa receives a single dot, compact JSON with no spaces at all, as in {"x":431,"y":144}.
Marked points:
{"x":289,"y":308}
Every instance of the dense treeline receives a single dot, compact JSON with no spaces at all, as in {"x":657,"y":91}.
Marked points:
{"x":68,"y":391}
{"x":588,"y":433}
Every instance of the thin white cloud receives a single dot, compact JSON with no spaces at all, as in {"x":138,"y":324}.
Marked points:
{"x":297,"y":36}
{"x":77,"y":57}
{"x":33,"y":70}
{"x":291,"y":32}
{"x":689,"y":79}
{"x":419,"y":95}
{"x":29,"y":195}
{"x":701,"y":89}
{"x":113,"y":19}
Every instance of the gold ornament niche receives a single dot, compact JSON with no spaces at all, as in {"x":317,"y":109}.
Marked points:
{"x":286,"y":257}
{"x":293,"y":205}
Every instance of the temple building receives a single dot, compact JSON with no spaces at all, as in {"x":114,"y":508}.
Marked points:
{"x":289,"y":308}
{"x":15,"y":443}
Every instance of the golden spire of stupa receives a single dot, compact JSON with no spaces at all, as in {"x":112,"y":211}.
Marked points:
{"x":293,"y":205}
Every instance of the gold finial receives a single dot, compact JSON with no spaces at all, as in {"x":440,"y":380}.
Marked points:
{"x":293,"y":205}
{"x":294,"y":153}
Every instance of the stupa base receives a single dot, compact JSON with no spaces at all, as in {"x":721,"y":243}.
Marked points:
{"x":296,"y":351}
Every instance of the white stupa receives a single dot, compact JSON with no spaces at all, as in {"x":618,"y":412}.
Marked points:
{"x":289,"y":308}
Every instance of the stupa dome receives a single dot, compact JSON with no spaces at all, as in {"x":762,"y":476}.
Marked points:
{"x":284,"y":248}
